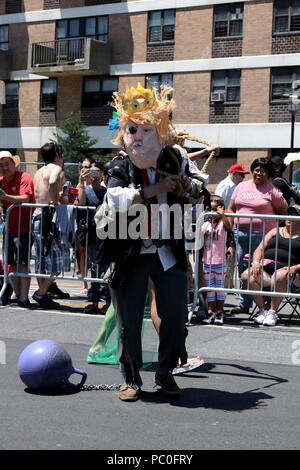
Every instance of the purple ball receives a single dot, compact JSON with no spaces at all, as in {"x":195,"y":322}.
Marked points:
{"x":45,"y":364}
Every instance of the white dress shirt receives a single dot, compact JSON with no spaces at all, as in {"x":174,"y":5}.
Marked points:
{"x":120,"y":199}
{"x":225,"y":190}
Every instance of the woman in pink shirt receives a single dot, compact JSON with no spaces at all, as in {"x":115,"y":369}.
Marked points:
{"x":255,"y":196}
{"x":214,"y":267}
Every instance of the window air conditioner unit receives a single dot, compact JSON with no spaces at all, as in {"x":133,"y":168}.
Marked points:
{"x":217,"y":97}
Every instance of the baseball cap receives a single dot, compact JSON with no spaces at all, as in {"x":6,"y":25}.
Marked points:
{"x":292,"y":209}
{"x":237,"y":168}
{"x":7,"y":154}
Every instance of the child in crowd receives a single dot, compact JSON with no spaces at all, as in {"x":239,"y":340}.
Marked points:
{"x":214,"y":259}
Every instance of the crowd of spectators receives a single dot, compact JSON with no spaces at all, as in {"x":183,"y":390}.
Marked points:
{"x":48,"y":234}
{"x":266,"y":192}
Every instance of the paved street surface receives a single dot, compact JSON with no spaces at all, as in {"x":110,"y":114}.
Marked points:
{"x":244,"y":397}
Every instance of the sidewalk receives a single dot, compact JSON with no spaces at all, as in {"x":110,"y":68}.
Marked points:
{"x":77,"y":302}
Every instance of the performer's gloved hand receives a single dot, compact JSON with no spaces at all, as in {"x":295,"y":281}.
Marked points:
{"x":170,"y":184}
{"x":186,"y":183}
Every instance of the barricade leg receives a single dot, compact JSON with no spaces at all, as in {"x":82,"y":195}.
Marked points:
{"x":242,"y":243}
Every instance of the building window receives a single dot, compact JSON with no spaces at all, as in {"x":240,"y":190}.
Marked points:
{"x":286,"y":16}
{"x":95,"y":28}
{"x":67,"y":29}
{"x":228,"y":20}
{"x":281,"y":82}
{"x":13,"y":6}
{"x":12,"y":95}
{"x":225,"y":86}
{"x":155,"y":81}
{"x":97,"y":92}
{"x":48,"y":94}
{"x":161,"y":26}
{"x":4,"y":38}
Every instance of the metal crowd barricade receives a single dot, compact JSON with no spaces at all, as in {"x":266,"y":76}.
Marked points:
{"x":196,"y":292}
{"x":72,"y":276}
{"x":32,"y":255}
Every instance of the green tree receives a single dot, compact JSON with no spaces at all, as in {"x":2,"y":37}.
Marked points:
{"x":73,"y":135}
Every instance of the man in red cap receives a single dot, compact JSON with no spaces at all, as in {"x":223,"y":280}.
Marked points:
{"x":225,"y":188}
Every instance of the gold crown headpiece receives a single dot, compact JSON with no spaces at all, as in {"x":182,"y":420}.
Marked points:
{"x":144,"y":106}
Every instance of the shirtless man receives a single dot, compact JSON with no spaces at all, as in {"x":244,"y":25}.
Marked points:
{"x":51,"y":256}
{"x":49,"y":180}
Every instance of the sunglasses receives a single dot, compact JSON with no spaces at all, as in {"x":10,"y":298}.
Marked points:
{"x":86,"y":167}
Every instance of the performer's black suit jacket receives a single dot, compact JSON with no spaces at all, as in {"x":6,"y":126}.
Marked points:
{"x":123,"y":252}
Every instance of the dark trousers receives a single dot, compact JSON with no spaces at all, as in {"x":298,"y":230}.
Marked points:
{"x":171,"y":299}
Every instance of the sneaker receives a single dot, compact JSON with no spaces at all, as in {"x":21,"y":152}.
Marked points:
{"x":168,"y":385}
{"x":54,"y":291}
{"x":260,"y":318}
{"x":45,"y":301}
{"x":219,"y":318}
{"x":209,"y":317}
{"x":270,"y":319}
{"x":128,"y":392}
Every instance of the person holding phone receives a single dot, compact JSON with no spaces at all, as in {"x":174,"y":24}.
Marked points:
{"x":92,"y":195}
{"x":84,"y":181}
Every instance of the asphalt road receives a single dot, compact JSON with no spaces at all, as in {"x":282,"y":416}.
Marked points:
{"x":245,"y":396}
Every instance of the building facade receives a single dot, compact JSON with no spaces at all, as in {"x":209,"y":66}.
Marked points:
{"x":231,"y":64}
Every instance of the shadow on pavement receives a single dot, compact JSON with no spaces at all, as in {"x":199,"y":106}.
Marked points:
{"x":55,"y":392}
{"x":210,"y":399}
{"x":220,"y":399}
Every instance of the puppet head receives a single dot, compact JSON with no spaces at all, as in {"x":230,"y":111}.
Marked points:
{"x":144,"y":121}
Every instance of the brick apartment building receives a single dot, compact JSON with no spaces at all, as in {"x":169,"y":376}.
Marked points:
{"x":230,"y":64}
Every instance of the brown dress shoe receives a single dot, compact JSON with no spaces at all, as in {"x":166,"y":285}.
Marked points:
{"x":128,"y":392}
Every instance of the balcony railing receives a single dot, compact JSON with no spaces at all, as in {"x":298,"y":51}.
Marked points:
{"x":84,"y":55}
{"x":59,"y":52}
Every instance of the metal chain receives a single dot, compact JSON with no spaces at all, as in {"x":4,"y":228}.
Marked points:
{"x":90,"y":387}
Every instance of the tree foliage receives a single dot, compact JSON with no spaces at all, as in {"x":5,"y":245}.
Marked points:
{"x":73,"y":135}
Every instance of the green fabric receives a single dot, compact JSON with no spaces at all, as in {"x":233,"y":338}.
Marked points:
{"x":104,"y":347}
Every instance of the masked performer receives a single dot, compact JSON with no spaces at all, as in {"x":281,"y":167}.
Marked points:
{"x":148,"y":173}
